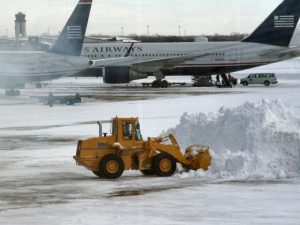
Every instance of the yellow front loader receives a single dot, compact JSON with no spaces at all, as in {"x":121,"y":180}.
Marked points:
{"x":108,"y":156}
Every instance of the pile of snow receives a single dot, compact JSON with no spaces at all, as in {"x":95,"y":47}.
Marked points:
{"x":252,"y":141}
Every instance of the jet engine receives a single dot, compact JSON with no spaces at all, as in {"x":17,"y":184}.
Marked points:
{"x":121,"y":75}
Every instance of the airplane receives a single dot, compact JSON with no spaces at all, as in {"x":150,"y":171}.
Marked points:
{"x":20,"y":67}
{"x":271,"y":42}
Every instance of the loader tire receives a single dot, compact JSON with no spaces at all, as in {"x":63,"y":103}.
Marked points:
{"x":98,"y":173}
{"x":111,"y":166}
{"x":164,"y":165}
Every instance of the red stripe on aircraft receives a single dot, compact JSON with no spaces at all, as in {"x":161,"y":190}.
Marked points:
{"x":225,"y":64}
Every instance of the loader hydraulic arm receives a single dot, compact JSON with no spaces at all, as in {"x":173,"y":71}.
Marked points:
{"x":172,"y":149}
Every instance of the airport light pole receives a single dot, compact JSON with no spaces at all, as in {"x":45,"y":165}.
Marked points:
{"x":179,"y":28}
{"x":148,"y":27}
{"x":122,"y":31}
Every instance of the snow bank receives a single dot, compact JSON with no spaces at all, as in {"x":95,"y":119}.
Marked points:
{"x":252,"y":141}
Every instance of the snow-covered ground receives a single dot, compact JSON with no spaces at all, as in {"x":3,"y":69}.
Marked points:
{"x":254,"y":134}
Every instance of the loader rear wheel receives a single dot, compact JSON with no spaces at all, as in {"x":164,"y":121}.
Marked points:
{"x":111,"y":166}
{"x":164,"y":165}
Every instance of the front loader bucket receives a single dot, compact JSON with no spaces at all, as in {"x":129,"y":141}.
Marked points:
{"x":198,"y":156}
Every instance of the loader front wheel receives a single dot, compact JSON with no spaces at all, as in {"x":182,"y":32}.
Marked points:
{"x":164,"y":165}
{"x":98,"y":173}
{"x":111,"y":166}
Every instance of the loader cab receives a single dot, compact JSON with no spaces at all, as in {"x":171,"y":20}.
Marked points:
{"x":107,"y":128}
{"x":129,"y":132}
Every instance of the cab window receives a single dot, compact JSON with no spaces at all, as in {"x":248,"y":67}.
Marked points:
{"x":114,"y":128}
{"x":138,"y":135}
{"x":127,"y":130}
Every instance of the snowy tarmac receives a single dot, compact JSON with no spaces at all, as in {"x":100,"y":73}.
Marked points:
{"x":40,"y":183}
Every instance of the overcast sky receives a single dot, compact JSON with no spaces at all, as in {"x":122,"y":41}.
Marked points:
{"x":195,"y":17}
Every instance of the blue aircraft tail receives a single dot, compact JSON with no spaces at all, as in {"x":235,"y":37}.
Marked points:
{"x":71,"y":39}
{"x":279,"y":27}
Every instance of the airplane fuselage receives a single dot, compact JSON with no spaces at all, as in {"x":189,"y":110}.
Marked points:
{"x":18,"y":68}
{"x":217,"y":57}
{"x":63,"y":59}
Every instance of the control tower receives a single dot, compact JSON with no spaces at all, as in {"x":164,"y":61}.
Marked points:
{"x":20,"y":25}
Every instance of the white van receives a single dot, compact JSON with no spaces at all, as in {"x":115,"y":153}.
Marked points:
{"x":260,"y":78}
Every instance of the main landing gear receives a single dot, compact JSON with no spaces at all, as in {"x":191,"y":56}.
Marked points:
{"x":160,"y":84}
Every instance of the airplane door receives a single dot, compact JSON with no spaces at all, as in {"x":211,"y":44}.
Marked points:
{"x":233,"y":55}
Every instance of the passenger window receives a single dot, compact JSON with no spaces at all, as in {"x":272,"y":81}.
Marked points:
{"x":127,"y":130}
{"x":250,"y":76}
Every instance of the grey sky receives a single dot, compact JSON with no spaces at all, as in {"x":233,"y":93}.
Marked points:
{"x":163,"y":16}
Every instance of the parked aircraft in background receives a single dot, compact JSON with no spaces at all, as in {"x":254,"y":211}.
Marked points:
{"x":269,"y":43}
{"x":63,"y":59}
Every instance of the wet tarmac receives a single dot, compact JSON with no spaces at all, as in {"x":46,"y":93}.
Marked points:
{"x":41,"y":184}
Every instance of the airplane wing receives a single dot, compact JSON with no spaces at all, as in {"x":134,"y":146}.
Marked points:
{"x":111,"y":62}
{"x":283,"y":53}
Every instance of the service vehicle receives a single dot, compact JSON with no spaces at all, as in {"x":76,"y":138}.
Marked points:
{"x":108,"y":156}
{"x":259,"y":78}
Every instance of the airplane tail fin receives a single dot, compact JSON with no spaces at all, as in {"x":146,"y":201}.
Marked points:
{"x":71,"y":39}
{"x":278,"y":29}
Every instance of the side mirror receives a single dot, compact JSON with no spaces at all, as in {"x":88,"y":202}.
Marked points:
{"x":138,"y":126}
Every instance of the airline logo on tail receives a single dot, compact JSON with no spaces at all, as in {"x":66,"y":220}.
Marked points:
{"x":74,"y":32}
{"x":287,"y":21}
